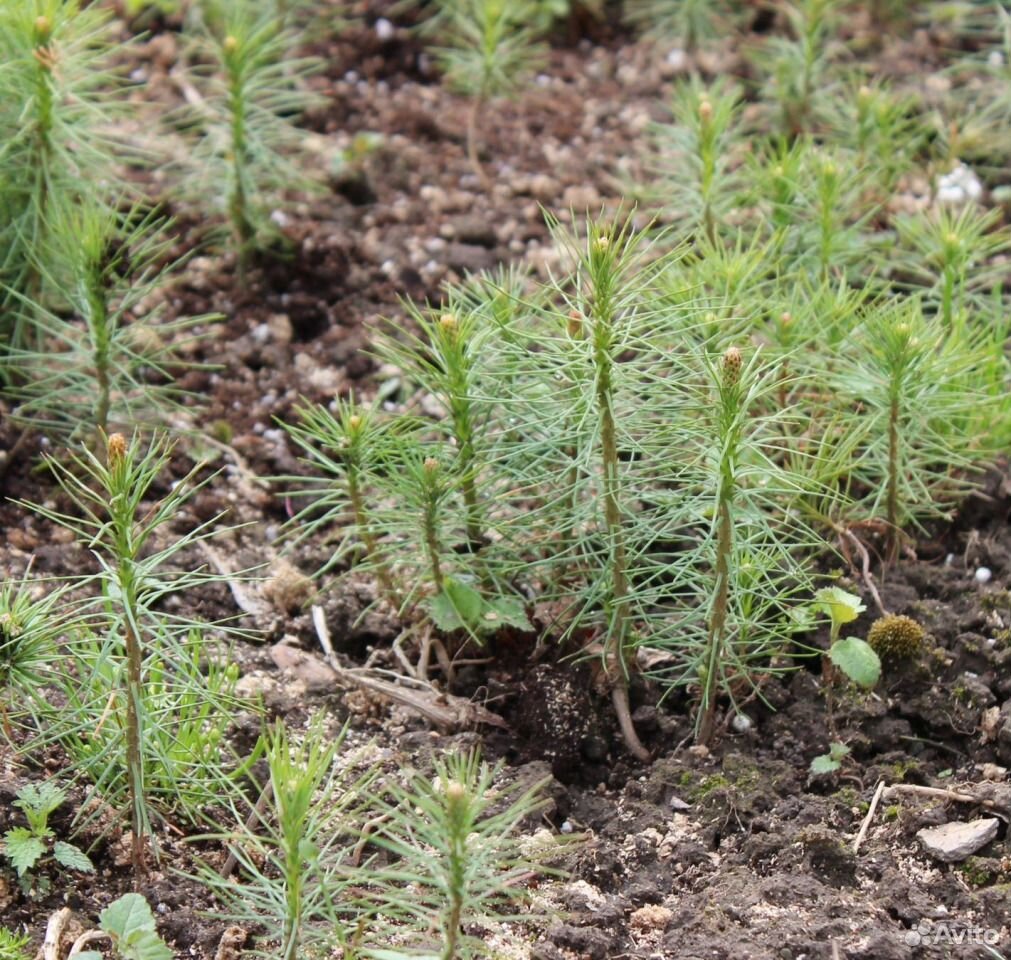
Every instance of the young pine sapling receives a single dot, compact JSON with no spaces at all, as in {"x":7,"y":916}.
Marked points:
{"x":124,"y":530}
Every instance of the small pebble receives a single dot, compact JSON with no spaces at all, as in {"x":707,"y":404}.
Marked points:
{"x":384,"y":29}
{"x":995,"y":59}
{"x":742,"y":723}
{"x":949,"y":559}
{"x":983,"y":575}
{"x":677,"y":59}
{"x":566,"y":827}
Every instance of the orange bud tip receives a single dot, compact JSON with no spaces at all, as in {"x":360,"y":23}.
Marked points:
{"x":115,"y":449}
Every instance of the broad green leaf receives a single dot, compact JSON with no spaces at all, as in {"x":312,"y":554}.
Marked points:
{"x":457,"y":606}
{"x":145,"y":945}
{"x":70,"y":856}
{"x":857,"y":660}
{"x":465,"y":599}
{"x":824,"y":764}
{"x":23,"y":849}
{"x":443,"y":613}
{"x":841,"y":606}
{"x":505,"y":612}
{"x":127,"y":915}
{"x":837,"y":750}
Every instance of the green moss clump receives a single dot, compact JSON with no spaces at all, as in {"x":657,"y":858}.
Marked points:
{"x":896,"y":637}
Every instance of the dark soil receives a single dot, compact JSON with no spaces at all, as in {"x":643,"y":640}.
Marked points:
{"x":736,"y":852}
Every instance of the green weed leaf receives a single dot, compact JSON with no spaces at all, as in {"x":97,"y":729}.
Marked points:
{"x":841,"y":606}
{"x":131,"y":924}
{"x":857,"y":660}
{"x":70,"y":856}
{"x":145,"y":945}
{"x":23,"y":848}
{"x":457,"y":606}
{"x":831,"y":761}
{"x":505,"y":612}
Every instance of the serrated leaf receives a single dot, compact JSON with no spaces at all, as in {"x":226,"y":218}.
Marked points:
{"x":126,"y":916}
{"x":824,"y":764}
{"x":23,"y":849}
{"x":70,"y":856}
{"x":837,"y":751}
{"x":857,"y":660}
{"x":443,"y":613}
{"x":505,"y":612}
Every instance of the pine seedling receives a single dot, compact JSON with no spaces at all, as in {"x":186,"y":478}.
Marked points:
{"x":798,"y":66}
{"x":487,"y":49}
{"x":445,"y":359}
{"x":776,"y":174}
{"x":189,"y":703}
{"x":350,"y":446}
{"x":112,"y":363}
{"x":124,"y":531}
{"x":919,"y":426}
{"x":609,"y":317}
{"x":725,"y":283}
{"x":459,"y":859}
{"x":57,"y":112}
{"x":248,"y":146}
{"x":881,"y":130}
{"x":581,"y":450}
{"x":691,"y":23}
{"x":14,"y":946}
{"x":743,"y":573}
{"x":698,"y":178}
{"x":950,"y":253}
{"x":830,"y":240}
{"x":606,"y":261}
{"x":296,"y":853}
{"x":29,"y":626}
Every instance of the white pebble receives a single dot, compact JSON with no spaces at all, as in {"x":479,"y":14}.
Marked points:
{"x":677,"y":59}
{"x":959,"y":186}
{"x":995,"y":59}
{"x":742,"y":723}
{"x":983,"y":574}
{"x":384,"y":29}
{"x":949,"y":559}
{"x":566,"y":827}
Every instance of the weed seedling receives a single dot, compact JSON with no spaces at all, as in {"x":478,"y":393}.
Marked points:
{"x":129,"y":925}
{"x":31,"y":847}
{"x":832,"y":761}
{"x":853,"y":656}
